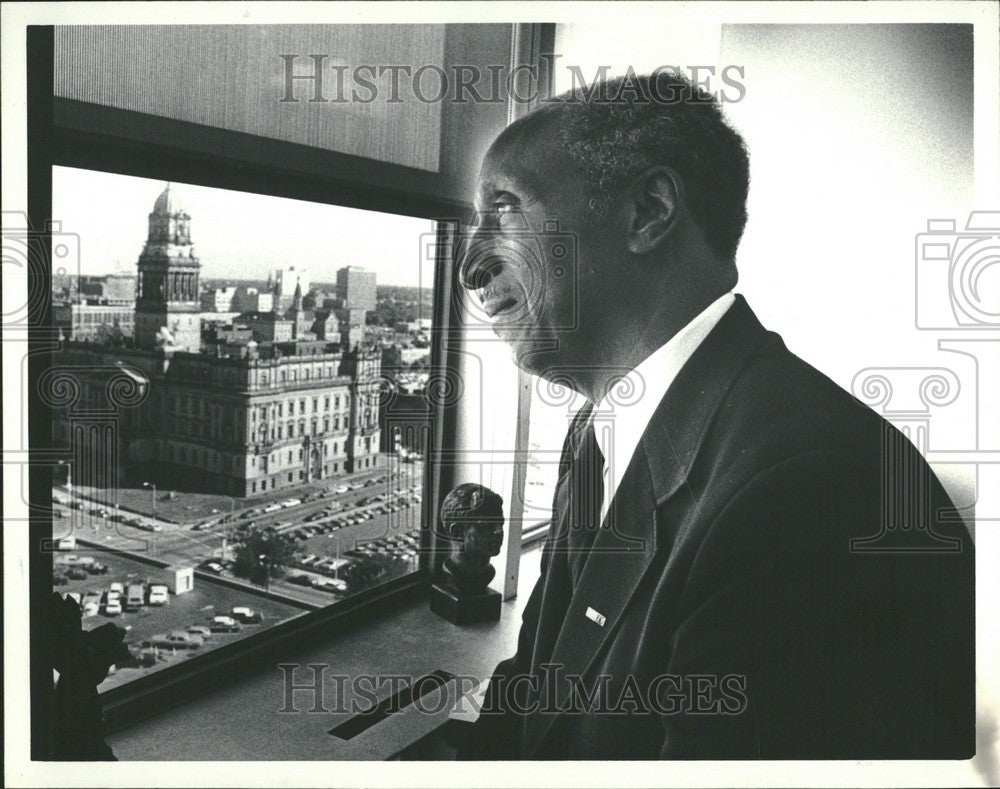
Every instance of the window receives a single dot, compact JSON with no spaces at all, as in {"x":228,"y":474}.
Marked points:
{"x":198,"y":499}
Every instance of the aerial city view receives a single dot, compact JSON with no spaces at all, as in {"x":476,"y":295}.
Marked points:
{"x":235,"y":460}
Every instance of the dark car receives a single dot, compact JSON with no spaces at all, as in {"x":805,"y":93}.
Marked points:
{"x":300,"y":580}
{"x":58,"y":579}
{"x":96,"y":568}
{"x":76,"y":573}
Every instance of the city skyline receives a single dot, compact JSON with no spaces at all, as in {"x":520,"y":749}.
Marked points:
{"x":112,"y":230}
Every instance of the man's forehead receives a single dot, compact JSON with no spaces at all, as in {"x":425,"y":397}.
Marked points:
{"x":522,"y":160}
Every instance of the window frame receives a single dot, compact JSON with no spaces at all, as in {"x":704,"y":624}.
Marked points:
{"x":149,"y":694}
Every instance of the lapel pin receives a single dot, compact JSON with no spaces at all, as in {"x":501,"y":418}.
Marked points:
{"x":594,"y":616}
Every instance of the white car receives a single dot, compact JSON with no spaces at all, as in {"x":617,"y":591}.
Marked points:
{"x":113,"y":607}
{"x":67,"y":544}
{"x":272,"y":508}
{"x":224,"y":624}
{"x":90,"y":609}
{"x":159,"y":594}
{"x":291,"y":503}
{"x":341,"y":489}
{"x":116,"y":588}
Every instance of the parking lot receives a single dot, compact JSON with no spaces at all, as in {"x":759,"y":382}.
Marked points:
{"x":196,"y":607}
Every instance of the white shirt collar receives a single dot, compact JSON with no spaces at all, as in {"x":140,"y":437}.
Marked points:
{"x":621,"y":417}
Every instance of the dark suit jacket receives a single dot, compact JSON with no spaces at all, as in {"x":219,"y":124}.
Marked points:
{"x":779,"y":578}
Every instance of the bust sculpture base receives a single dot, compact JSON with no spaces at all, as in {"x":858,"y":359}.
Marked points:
{"x":462,"y":608}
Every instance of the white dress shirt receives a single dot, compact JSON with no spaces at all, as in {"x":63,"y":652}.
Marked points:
{"x":621,"y":417}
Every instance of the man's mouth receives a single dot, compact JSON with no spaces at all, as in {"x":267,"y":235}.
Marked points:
{"x":498,"y":304}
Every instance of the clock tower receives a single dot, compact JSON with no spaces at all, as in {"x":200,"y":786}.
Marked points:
{"x":167,"y":293}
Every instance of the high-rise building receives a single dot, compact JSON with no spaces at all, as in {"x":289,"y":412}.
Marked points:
{"x":167,"y":303}
{"x":356,"y":288}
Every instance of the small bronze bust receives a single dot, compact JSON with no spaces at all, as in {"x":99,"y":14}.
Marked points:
{"x":472,"y":519}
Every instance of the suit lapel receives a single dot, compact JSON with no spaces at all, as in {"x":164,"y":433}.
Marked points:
{"x":632,"y":536}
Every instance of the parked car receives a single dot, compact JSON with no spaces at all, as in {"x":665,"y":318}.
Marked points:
{"x":135,"y":598}
{"x":113,"y":606}
{"x":90,"y":609}
{"x":96,"y":568}
{"x":330,"y":585}
{"x":201,"y":631}
{"x":66,"y":544}
{"x":212,"y":567}
{"x":300,"y":580}
{"x":309,"y":559}
{"x":91,"y":597}
{"x":159,"y":594}
{"x":291,"y":503}
{"x":246,"y":615}
{"x":272,"y":508}
{"x":58,"y":579}
{"x":341,"y":489}
{"x":76,"y":573}
{"x":117,"y":586}
{"x":224,"y":624}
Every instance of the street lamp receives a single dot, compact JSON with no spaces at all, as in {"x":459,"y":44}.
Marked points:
{"x":152,"y":485}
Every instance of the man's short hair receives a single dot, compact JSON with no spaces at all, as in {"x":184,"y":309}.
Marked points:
{"x":616,"y":128}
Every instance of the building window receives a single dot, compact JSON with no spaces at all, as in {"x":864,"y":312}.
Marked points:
{"x":289,"y":476}
{"x":326,"y":403}
{"x":253,"y":487}
{"x":300,"y":454}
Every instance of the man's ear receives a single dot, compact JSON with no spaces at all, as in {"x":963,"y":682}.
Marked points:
{"x":653,"y":203}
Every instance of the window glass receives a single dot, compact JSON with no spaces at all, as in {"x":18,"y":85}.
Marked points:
{"x":192,"y":541}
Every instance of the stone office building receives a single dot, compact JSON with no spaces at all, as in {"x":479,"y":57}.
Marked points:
{"x":275,"y":415}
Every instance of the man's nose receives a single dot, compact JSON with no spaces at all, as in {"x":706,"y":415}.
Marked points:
{"x":478,"y":260}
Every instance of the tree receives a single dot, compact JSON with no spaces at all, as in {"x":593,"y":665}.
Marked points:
{"x":261,"y":553}
{"x":371,"y":570}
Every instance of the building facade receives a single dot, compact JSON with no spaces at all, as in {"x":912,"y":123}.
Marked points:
{"x":303,"y":412}
{"x":85,"y":321}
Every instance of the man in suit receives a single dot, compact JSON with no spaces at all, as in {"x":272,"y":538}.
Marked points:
{"x":727,"y":575}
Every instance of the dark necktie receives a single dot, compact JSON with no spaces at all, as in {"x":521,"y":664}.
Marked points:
{"x":585,"y":488}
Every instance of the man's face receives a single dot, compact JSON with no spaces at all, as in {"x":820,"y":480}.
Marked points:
{"x":535,"y":259}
